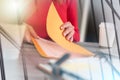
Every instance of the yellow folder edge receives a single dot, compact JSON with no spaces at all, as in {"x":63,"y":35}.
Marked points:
{"x":53,"y":28}
{"x":40,"y":50}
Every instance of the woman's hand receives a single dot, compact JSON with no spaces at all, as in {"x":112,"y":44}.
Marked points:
{"x":68,"y":31}
{"x":30,"y":33}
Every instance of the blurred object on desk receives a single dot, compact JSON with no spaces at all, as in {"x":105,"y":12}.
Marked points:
{"x":106,"y":34}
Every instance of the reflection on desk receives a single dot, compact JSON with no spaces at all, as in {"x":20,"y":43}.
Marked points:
{"x":92,"y":68}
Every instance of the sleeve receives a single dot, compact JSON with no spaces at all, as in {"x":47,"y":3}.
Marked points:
{"x":72,"y":16}
{"x":30,"y":14}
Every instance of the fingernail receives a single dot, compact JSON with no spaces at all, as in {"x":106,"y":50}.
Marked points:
{"x":38,"y":37}
{"x":61,"y":28}
{"x":64,"y":34}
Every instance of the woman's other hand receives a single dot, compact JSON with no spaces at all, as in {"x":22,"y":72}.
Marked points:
{"x":68,"y":31}
{"x":30,"y":33}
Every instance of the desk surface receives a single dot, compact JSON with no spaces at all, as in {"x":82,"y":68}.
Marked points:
{"x":14,"y":64}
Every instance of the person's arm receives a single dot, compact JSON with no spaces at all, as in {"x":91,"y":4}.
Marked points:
{"x":29,"y":33}
{"x":72,"y":15}
{"x":70,"y":28}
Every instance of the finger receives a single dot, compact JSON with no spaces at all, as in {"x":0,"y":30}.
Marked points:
{"x":71,"y":39}
{"x":67,"y":31}
{"x":70,"y":35}
{"x":27,"y":37}
{"x":66,"y":25}
{"x":33,"y":33}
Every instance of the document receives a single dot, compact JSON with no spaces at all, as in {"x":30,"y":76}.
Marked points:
{"x":50,"y":49}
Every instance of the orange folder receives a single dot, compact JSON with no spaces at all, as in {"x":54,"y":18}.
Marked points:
{"x":53,"y":28}
{"x":51,"y":50}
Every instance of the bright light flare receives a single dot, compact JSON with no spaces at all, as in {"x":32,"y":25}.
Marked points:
{"x":8,"y":10}
{"x":14,"y":6}
{"x":11,"y":9}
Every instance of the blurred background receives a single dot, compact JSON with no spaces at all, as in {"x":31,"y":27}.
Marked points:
{"x":99,"y":11}
{"x":91,"y":14}
{"x":15,"y":11}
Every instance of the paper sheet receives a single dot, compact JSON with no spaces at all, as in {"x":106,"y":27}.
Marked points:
{"x":49,"y":49}
{"x":88,"y":68}
{"x":91,"y":68}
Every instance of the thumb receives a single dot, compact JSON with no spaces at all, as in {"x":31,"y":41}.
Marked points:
{"x":32,"y":32}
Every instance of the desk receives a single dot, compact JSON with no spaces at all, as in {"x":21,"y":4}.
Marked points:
{"x":14,"y":64}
